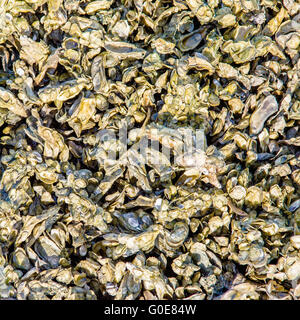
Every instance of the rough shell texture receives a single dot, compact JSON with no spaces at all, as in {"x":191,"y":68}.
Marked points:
{"x":89,"y":209}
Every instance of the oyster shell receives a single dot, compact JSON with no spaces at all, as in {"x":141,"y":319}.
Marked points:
{"x":149,"y":150}
{"x":267,"y":108}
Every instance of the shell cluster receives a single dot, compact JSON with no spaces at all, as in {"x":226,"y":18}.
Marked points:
{"x":84,"y":214}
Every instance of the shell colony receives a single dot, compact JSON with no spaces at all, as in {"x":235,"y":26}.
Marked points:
{"x":75,"y":223}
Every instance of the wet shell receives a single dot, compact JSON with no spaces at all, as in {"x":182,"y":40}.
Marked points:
{"x":125,"y":50}
{"x":190,"y":41}
{"x":268,"y":107}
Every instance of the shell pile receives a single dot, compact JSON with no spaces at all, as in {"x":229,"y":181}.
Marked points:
{"x":89,"y":210}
